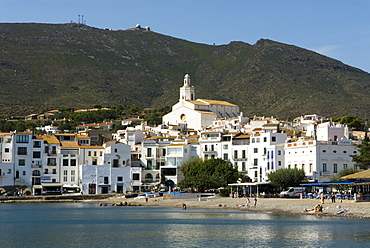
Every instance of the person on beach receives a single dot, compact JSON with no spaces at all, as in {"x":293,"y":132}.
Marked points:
{"x":255,"y":202}
{"x":248,"y":202}
{"x":322,"y":198}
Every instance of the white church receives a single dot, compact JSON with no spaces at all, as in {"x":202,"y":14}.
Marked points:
{"x":200,"y":113}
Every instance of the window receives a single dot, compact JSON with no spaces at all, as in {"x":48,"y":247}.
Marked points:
{"x":37,"y":144}
{"x":135,"y":176}
{"x":21,"y":162}
{"x":65,"y":162}
{"x":73,"y":162}
{"x":255,"y":162}
{"x":36,"y":154}
{"x":255,"y":150}
{"x":324,"y":167}
{"x":119,"y":179}
{"x":36,"y":173}
{"x":150,"y":165}
{"x":22,"y":138}
{"x":65,"y":175}
{"x":72,"y":175}
{"x":149,"y":152}
{"x":6,"y":150}
{"x":115,"y":163}
{"x":335,"y":168}
{"x":52,"y":161}
{"x":22,"y":151}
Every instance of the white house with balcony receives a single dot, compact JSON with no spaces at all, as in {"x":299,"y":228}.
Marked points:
{"x":320,"y":159}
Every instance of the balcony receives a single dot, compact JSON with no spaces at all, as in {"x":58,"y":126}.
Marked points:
{"x":239,"y":159}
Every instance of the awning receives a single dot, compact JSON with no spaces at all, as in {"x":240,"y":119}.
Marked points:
{"x":51,"y":184}
{"x":70,"y":186}
{"x":250,"y":184}
{"x":104,"y":185}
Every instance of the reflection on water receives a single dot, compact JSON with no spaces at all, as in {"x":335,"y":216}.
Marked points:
{"x":88,"y":225}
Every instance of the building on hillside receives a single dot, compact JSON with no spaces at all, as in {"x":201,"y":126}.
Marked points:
{"x":198,"y":113}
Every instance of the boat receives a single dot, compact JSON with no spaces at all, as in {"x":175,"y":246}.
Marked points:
{"x":131,"y":195}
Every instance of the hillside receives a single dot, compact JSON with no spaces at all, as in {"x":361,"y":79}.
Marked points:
{"x":45,"y":66}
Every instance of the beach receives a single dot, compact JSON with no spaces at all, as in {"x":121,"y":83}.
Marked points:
{"x":277,"y":205}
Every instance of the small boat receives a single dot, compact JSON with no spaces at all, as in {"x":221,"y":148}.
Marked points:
{"x":341,"y":212}
{"x":131,"y":195}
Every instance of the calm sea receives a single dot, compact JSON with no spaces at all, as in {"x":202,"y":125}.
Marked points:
{"x":90,"y":225}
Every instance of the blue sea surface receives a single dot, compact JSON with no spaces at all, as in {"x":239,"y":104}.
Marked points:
{"x":91,"y":225}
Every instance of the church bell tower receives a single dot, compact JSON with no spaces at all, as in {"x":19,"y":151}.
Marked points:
{"x":187,"y":91}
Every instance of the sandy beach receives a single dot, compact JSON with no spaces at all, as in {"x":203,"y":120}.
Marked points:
{"x":293,"y":206}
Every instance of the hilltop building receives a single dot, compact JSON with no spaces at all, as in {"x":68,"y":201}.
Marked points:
{"x":200,"y":113}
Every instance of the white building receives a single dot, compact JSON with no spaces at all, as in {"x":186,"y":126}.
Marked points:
{"x":198,"y":113}
{"x":320,"y":159}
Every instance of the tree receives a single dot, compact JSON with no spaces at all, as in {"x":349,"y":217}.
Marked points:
{"x":362,"y":160}
{"x":285,"y":178}
{"x":207,"y":174}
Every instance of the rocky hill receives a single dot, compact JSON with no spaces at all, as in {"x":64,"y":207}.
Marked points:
{"x":45,"y":66}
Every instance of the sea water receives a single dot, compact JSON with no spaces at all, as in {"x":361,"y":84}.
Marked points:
{"x":91,"y":225}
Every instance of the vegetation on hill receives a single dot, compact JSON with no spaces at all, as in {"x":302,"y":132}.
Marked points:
{"x":68,"y":119}
{"x":47,"y":66}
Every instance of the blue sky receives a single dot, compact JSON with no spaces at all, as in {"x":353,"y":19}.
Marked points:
{"x":336,"y":28}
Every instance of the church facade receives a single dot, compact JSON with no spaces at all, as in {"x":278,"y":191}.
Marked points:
{"x":200,"y":113}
